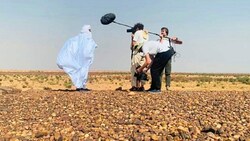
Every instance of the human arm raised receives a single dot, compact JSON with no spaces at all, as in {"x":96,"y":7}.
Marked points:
{"x":176,"y":40}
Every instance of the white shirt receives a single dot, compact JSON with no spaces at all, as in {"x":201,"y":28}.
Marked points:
{"x":154,"y":47}
{"x":164,"y":45}
{"x":138,"y":37}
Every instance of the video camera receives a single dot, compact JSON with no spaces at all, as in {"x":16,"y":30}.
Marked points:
{"x":132,"y":30}
{"x":141,"y":76}
{"x":139,"y":26}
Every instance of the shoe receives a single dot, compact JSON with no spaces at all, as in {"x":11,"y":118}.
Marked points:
{"x":82,"y":89}
{"x":86,"y":89}
{"x":155,"y":91}
{"x":141,"y":89}
{"x":78,"y":89}
{"x":133,"y":88}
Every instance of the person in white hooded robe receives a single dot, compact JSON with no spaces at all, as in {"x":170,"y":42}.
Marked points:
{"x":76,"y":56}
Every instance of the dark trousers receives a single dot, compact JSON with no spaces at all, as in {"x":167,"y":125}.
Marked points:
{"x":157,"y":67}
{"x":168,"y":68}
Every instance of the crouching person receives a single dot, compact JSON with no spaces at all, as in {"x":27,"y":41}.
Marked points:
{"x":163,"y":53}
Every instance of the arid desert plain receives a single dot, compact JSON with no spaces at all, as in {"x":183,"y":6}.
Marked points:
{"x":43,"y":106}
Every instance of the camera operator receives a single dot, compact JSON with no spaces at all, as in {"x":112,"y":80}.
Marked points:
{"x":139,"y":36}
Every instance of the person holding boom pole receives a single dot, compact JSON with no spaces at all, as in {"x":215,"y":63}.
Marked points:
{"x":167,"y":68}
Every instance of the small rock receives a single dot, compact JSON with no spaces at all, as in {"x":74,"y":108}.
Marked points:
{"x":119,"y":89}
{"x":155,"y":137}
{"x":170,"y":138}
{"x":208,"y":129}
{"x":180,"y":128}
{"x":9,"y":90}
{"x":137,"y":122}
{"x":218,"y":126}
{"x":14,"y":139}
{"x":247,"y":139}
{"x":40,"y":134}
{"x":147,"y":138}
{"x":236,"y":137}
{"x":58,"y":137}
{"x":131,"y":93}
{"x":75,"y":138}
{"x":143,"y":130}
{"x":194,"y":130}
{"x":53,"y":114}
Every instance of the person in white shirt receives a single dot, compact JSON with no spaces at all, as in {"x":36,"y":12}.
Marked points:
{"x":162,"y":52}
{"x":168,"y":67}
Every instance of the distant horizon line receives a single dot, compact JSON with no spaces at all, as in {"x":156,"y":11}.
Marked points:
{"x":108,"y":71}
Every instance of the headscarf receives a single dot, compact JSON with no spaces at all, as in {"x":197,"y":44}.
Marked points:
{"x":86,"y":30}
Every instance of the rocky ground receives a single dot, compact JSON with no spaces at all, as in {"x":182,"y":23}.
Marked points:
{"x":121,"y":115}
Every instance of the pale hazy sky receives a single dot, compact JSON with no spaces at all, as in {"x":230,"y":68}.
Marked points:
{"x":215,"y":33}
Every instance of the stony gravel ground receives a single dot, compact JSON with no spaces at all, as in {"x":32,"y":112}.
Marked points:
{"x":121,"y":115}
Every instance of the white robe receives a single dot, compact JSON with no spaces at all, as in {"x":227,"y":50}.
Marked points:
{"x":76,"y":56}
